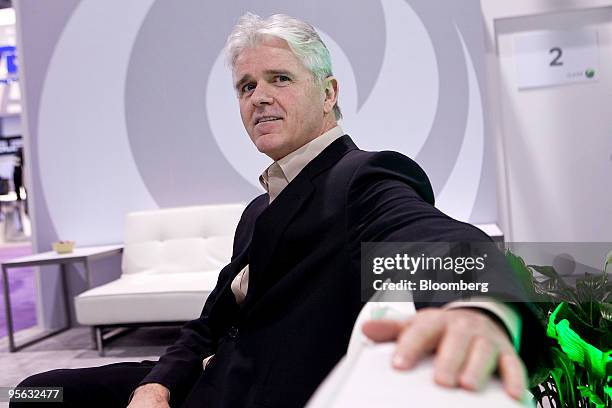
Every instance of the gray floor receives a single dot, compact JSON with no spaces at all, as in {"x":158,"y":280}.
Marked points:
{"x":73,"y":349}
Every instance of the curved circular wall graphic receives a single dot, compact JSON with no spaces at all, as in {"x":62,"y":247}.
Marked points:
{"x":161,"y":125}
{"x":379,"y":121}
{"x":84,"y":156}
{"x":180,"y":103}
{"x":461,"y":189}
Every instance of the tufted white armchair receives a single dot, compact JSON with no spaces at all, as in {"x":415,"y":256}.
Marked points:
{"x":171,"y":261}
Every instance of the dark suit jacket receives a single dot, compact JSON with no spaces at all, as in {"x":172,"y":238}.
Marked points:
{"x":304,"y":286}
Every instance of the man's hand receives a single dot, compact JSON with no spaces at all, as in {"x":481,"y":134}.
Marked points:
{"x":469,"y":346}
{"x":150,"y":396}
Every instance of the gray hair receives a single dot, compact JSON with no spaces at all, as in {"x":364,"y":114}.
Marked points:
{"x":301,"y":37}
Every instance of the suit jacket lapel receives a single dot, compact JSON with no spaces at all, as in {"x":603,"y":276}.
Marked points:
{"x":273,"y":221}
{"x":241,"y":258}
{"x":270,"y":226}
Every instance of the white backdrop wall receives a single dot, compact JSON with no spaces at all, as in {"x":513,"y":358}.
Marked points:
{"x":129,"y":106}
{"x":554,"y":143}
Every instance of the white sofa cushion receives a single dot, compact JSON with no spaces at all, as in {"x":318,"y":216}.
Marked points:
{"x":188,"y":238}
{"x":177,"y":255}
{"x":171,"y":262}
{"x":146,"y":297}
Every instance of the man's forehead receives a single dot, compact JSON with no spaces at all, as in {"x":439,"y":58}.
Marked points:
{"x":272,"y":41}
{"x":268,"y":55}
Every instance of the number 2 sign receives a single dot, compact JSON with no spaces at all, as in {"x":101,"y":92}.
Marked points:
{"x":546,"y":58}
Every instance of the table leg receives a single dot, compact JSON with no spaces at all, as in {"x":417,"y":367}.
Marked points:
{"x":100,"y":341}
{"x":66,"y":294}
{"x":9,"y":321}
{"x":94,"y":338}
{"x":87,"y":273}
{"x":7,"y":308}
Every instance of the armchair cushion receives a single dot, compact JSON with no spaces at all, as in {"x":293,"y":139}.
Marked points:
{"x":171,"y":261}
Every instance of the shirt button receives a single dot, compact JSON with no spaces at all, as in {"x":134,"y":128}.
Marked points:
{"x":233,"y":332}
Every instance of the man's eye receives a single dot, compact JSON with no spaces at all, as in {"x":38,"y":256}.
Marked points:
{"x":282,"y":78}
{"x":248,"y":88}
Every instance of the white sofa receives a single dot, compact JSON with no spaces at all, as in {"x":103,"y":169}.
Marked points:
{"x":171,"y":261}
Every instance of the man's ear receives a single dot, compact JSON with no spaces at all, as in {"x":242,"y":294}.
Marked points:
{"x":330,"y":92}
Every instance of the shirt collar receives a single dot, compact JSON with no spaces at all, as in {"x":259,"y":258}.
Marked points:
{"x":293,"y":163}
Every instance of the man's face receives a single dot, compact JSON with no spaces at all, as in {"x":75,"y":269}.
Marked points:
{"x":281,"y":105}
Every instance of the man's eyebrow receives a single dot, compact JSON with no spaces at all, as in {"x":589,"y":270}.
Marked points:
{"x":278,"y":72}
{"x":248,"y":77}
{"x":242,"y":80}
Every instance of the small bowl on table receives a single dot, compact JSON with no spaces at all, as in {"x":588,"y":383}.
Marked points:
{"x":63,"y":247}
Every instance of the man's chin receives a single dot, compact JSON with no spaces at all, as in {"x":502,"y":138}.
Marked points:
{"x":270,"y":145}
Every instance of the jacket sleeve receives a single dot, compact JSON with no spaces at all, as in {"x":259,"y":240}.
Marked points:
{"x":390,"y":199}
{"x":181,"y":365}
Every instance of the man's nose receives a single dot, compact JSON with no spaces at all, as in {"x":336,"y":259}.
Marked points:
{"x":261,"y":95}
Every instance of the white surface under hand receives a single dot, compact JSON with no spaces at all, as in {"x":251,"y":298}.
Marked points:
{"x":367,"y":380}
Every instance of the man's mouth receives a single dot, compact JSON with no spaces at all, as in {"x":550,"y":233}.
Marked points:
{"x":267,"y":119}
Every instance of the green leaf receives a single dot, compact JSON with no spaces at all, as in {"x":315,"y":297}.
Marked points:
{"x":564,"y":295}
{"x":591,"y":396}
{"x":539,"y":375}
{"x":606,"y":311}
{"x":556,"y":375}
{"x":551,"y":327}
{"x":590,"y":289}
{"x":608,"y":391}
{"x":546,"y":271}
{"x":581,"y":323}
{"x":581,"y":352}
{"x":522,"y":273}
{"x":568,"y":378}
{"x":608,"y":261}
{"x":608,"y":357}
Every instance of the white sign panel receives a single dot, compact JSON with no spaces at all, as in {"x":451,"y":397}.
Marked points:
{"x":545,"y":58}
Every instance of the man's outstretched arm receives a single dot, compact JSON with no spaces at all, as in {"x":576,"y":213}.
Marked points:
{"x":390,"y":200}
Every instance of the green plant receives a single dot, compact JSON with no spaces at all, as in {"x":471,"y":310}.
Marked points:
{"x":578,"y":321}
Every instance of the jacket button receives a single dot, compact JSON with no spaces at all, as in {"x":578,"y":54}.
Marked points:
{"x":233,"y":332}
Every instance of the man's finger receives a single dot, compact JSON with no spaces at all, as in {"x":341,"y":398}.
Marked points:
{"x":450,"y":357}
{"x":382,"y":330}
{"x":420,"y":338}
{"x":513,"y":374}
{"x":480,"y":364}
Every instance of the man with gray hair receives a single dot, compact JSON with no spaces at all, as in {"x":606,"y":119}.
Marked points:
{"x":283,"y":309}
